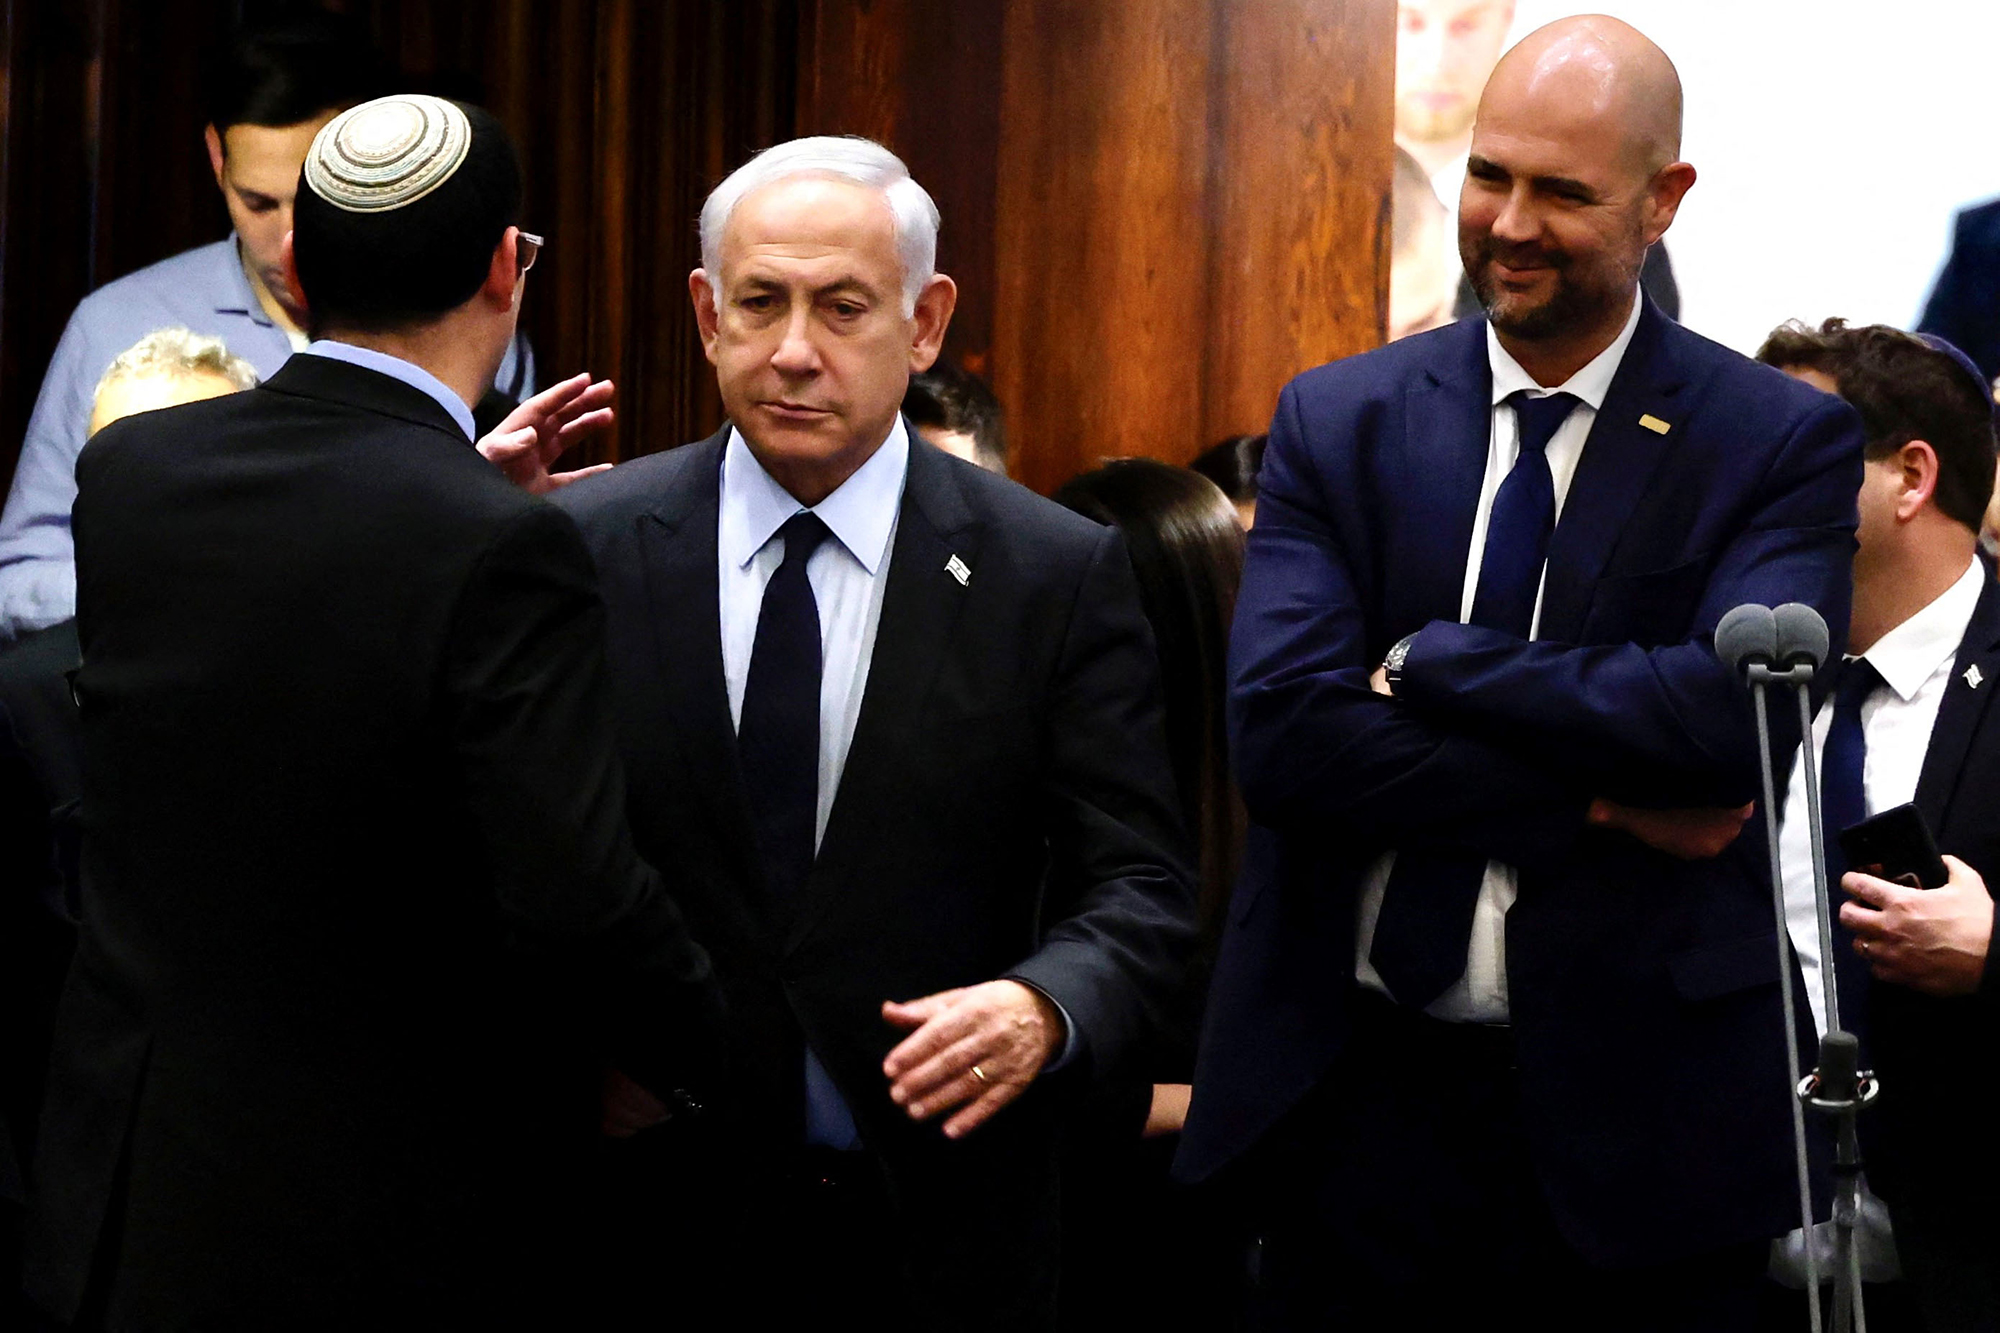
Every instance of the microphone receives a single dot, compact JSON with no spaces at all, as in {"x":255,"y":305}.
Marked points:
{"x":1748,"y":636}
{"x":1802,"y":636}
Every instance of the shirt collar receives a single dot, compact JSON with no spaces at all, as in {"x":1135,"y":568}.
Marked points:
{"x":860,"y":513}
{"x":1911,"y":653}
{"x":1590,"y":384}
{"x":234,"y":291}
{"x":396,"y":368}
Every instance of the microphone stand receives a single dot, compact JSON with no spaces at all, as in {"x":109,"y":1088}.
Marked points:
{"x":1837,"y":1086}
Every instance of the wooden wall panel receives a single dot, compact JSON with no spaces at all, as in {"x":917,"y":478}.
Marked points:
{"x":1156,"y":213}
{"x":1101,"y":247}
{"x":1299,"y":265}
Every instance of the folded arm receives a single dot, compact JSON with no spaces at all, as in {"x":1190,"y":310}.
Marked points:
{"x":1666,"y":725}
{"x":1313,"y":744}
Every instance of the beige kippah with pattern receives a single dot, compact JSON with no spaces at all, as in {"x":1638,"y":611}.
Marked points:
{"x":387,"y":153}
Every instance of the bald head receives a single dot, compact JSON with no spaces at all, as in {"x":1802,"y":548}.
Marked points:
{"x":1597,"y":67}
{"x":1573,"y":174}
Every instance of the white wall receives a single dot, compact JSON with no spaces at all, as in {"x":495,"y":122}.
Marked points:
{"x":1834,"y":139}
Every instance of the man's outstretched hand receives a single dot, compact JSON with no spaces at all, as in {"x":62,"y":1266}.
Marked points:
{"x":538,"y":432}
{"x":1004,"y":1029}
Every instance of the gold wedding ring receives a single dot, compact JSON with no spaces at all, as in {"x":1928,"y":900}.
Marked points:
{"x":980,"y":1074}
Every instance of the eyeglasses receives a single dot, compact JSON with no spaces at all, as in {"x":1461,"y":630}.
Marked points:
{"x":527,"y":249}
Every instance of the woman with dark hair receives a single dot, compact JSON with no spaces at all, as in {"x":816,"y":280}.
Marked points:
{"x":1233,"y":465}
{"x":1136,"y":1253}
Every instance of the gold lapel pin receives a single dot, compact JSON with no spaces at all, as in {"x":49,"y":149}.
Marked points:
{"x":1653,"y":424}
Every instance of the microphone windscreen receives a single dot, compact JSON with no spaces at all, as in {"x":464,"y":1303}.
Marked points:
{"x":1747,"y":634}
{"x":1802,"y":635}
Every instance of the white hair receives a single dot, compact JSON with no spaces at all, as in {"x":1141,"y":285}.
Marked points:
{"x":179,"y":352}
{"x":839,"y":157}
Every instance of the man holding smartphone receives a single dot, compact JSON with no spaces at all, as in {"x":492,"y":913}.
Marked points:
{"x":1906,"y":721}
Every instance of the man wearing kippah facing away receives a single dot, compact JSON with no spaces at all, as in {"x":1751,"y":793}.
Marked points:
{"x":356,"y":857}
{"x":267,"y":93}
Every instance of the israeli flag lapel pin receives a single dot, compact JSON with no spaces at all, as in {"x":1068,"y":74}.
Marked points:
{"x":1973,"y":677}
{"x":959,"y":570}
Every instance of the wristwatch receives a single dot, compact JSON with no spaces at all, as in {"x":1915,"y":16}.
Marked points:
{"x":1392,"y":665}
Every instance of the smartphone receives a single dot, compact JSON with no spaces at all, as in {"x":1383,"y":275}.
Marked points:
{"x":1895,"y":845}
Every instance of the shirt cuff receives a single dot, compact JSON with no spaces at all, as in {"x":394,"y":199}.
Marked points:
{"x":1072,"y":1044}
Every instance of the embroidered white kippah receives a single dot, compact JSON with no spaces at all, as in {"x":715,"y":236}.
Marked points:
{"x":387,"y":153}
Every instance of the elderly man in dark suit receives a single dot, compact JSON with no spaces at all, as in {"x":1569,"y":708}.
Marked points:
{"x":355,"y":844}
{"x":1499,"y":1025}
{"x":899,"y":719}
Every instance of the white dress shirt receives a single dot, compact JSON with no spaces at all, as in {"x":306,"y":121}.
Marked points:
{"x":1480,"y":996}
{"x":846,"y":574}
{"x":1915,"y":661}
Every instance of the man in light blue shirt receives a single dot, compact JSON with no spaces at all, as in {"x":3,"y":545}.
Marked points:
{"x":268,"y":97}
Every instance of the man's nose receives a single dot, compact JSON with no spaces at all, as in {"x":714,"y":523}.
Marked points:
{"x":1517,"y":219}
{"x":796,"y":353}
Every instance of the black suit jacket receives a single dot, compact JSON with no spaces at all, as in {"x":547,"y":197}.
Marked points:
{"x":1935,"y":1056}
{"x":1006,"y":809}
{"x":354,"y":836}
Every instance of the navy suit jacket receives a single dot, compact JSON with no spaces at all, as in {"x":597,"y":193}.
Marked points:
{"x":1642,"y":988}
{"x":1964,"y":306}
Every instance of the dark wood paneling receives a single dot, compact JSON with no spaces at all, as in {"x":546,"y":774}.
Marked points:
{"x":1156,"y":213}
{"x":1299,"y":257}
{"x":1103,"y":215}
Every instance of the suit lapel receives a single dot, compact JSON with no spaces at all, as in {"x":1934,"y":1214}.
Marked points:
{"x":1963,"y":706}
{"x":1450,"y":424}
{"x":677,"y":551}
{"x":1613,"y":474}
{"x":920,"y":609}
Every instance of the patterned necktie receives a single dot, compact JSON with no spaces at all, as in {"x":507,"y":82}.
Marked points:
{"x":778,"y":732}
{"x":1425,"y":927}
{"x":1844,"y":803}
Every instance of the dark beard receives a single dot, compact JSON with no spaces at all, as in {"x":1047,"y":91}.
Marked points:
{"x":1570,"y":306}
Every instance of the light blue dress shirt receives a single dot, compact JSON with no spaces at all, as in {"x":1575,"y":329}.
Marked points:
{"x":203,"y":289}
{"x":396,"y":368}
{"x":848,"y":576}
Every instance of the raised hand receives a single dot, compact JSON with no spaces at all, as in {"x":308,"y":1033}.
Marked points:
{"x":545,"y":427}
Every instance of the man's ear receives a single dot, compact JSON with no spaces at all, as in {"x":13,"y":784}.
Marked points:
{"x":932,"y":317}
{"x":503,"y":275}
{"x":1669,"y":186}
{"x":289,"y":262}
{"x":1918,"y":464}
{"x":706,"y":317}
{"x":213,"y":139}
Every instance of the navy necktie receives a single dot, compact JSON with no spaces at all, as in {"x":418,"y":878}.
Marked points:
{"x":1425,"y":927}
{"x":777,"y":734}
{"x":1843,"y":803}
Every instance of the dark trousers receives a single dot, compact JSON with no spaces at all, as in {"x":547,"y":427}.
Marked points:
{"x":1407,"y":1200}
{"x":1951,"y":1261}
{"x":690,"y":1238}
